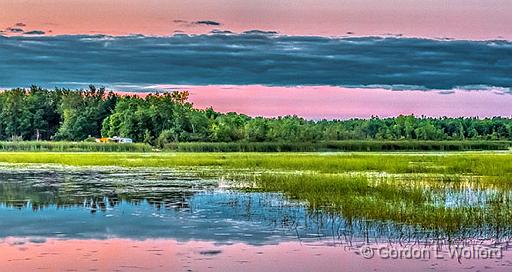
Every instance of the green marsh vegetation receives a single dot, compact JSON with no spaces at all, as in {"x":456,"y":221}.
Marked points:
{"x":428,"y":202}
{"x":491,"y":164}
{"x":452,"y":193}
{"x":340,"y":146}
{"x":457,"y":195}
{"x":337,"y":146}
{"x":64,"y":146}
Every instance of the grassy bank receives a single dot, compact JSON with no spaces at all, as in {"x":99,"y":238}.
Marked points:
{"x":474,"y":163}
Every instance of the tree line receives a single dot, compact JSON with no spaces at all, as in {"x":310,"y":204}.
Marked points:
{"x":160,"y":119}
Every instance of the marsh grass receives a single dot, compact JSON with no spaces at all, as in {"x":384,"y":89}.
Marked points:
{"x":495,"y":165}
{"x":450,"y":205}
{"x":452,"y":192}
{"x":329,"y":146}
{"x":347,"y":146}
{"x":47,"y":146}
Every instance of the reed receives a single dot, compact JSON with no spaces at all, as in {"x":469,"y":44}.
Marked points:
{"x":48,"y":146}
{"x":346,"y":146}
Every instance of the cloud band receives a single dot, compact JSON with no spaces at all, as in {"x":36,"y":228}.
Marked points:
{"x":255,"y":57}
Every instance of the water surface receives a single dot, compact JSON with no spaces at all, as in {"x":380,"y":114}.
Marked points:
{"x":113,"y":219}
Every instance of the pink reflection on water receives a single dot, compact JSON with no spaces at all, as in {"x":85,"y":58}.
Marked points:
{"x":18,"y":254}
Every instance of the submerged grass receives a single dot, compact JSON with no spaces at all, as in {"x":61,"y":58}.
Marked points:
{"x":432,"y":204}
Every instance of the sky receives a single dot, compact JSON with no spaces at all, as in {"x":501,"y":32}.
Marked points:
{"x":460,"y":19}
{"x":435,"y":57}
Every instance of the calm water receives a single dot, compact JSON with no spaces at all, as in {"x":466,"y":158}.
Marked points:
{"x":112,"y":219}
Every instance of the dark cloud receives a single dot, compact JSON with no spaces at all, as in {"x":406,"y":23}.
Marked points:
{"x":20,"y":25}
{"x":15,"y":29}
{"x":260,"y":32}
{"x":447,"y":92}
{"x":220,"y":31}
{"x":197,"y":23}
{"x":35,"y":32}
{"x":255,"y":57}
{"x":208,"y":23}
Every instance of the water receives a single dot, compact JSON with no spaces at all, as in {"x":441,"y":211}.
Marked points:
{"x":112,"y":219}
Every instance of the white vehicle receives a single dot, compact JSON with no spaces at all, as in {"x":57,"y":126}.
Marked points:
{"x":122,"y":140}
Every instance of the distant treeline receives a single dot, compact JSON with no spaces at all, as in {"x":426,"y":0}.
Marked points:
{"x":167,"y":119}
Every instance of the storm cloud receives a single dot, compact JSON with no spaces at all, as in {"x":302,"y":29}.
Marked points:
{"x":255,"y":57}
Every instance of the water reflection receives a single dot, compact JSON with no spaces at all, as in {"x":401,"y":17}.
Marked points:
{"x":173,"y":211}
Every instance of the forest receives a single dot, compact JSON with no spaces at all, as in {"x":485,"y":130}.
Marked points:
{"x":160,"y":119}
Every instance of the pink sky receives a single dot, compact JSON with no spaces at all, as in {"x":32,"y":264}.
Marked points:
{"x":337,"y":102}
{"x":460,"y":19}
